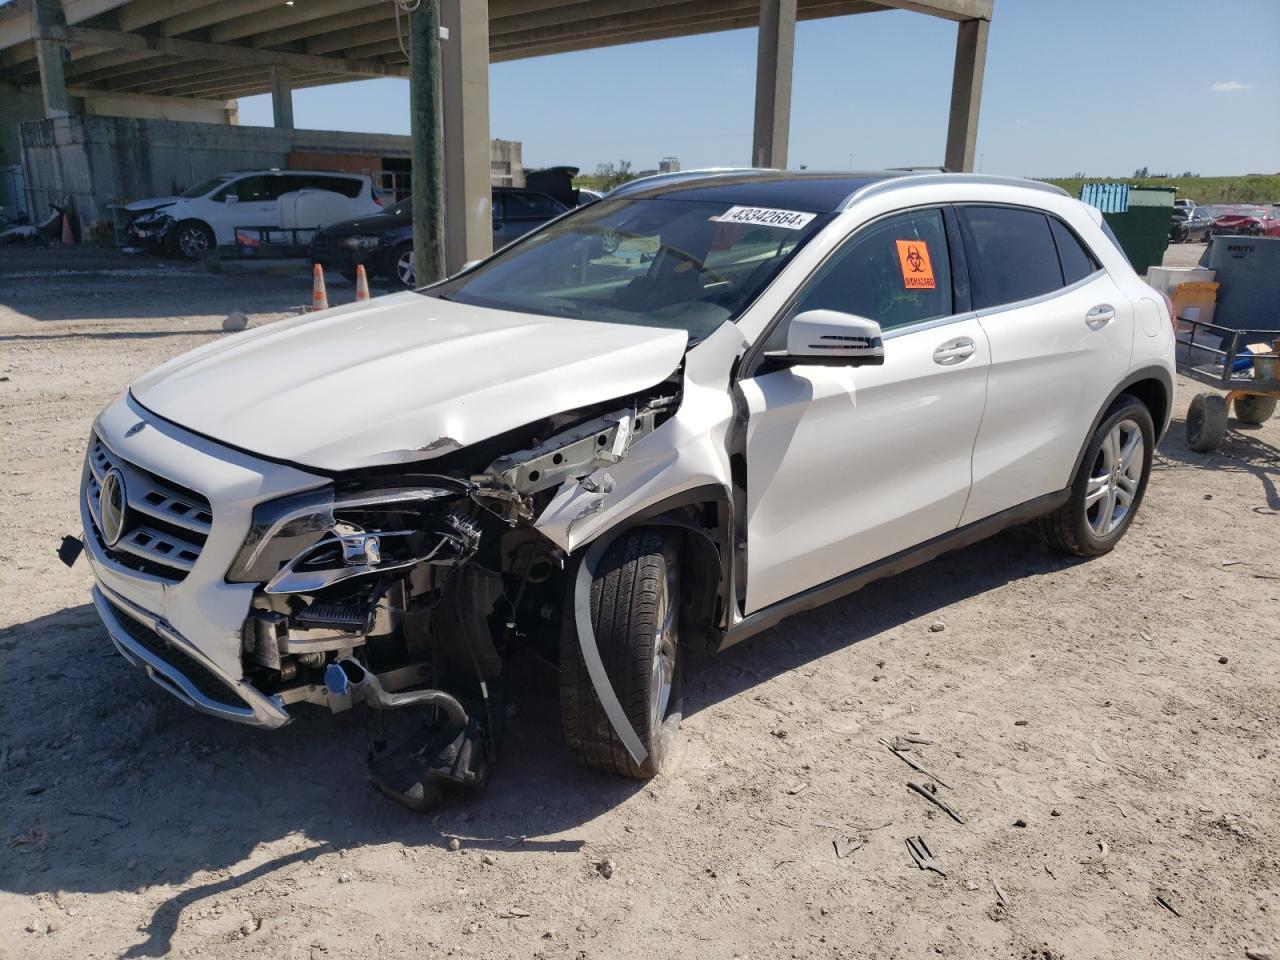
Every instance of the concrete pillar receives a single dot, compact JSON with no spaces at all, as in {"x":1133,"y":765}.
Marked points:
{"x":966,"y":94}
{"x":774,"y":54}
{"x":465,"y":78}
{"x":282,"y":97}
{"x":53,"y":78}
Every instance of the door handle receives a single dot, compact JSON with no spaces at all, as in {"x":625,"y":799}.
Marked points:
{"x":954,"y":351}
{"x":1099,"y":316}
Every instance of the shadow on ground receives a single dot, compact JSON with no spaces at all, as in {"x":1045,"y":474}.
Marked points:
{"x":113,"y":786}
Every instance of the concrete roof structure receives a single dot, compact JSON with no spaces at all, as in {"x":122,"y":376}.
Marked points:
{"x":216,"y":50}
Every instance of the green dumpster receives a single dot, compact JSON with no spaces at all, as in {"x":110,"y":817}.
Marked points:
{"x":1138,"y":216}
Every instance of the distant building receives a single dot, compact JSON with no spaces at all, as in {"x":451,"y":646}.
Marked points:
{"x":506,"y":163}
{"x":669,"y":165}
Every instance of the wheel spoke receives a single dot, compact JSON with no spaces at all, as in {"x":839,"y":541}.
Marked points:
{"x":1131,"y":452}
{"x":1096,"y":490}
{"x":1124,"y":498}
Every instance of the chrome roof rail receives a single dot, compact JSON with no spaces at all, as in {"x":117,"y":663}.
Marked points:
{"x":911,"y":179}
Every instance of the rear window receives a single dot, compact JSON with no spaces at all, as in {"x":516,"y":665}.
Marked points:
{"x":1014,"y":256}
{"x":1077,"y":262}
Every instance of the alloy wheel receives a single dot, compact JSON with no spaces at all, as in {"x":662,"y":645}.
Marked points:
{"x":1114,"y":478}
{"x":404,"y":268}
{"x":665,"y":641}
{"x":193,"y":241}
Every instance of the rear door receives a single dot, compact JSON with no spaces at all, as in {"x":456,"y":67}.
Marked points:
{"x":1061,"y":334}
{"x":846,"y":466}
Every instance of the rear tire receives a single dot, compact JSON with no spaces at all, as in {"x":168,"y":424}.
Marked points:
{"x":635,"y":613}
{"x":1254,"y":410}
{"x":1206,"y":422}
{"x":1109,"y":486}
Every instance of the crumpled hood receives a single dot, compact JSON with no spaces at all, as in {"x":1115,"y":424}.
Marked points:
{"x":399,"y":378}
{"x":151,"y":204}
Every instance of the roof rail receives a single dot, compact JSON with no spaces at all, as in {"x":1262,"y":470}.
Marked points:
{"x":908,"y":179}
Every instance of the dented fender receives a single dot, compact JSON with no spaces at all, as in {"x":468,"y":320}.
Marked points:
{"x":686,"y":452}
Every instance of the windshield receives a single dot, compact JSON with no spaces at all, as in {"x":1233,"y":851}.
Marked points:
{"x":200,"y":189}
{"x":680,"y":264}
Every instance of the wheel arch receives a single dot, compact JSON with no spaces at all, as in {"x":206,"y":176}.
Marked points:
{"x":1153,"y":386}
{"x":686,"y":512}
{"x":701,"y":518}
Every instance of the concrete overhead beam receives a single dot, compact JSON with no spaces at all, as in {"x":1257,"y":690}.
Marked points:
{"x":282,"y":16}
{"x":77,"y":11}
{"x":163,"y":78}
{"x":334,"y":24}
{"x":575,"y":12}
{"x":950,"y":9}
{"x":202,"y":17}
{"x":354,"y":37}
{"x":227,"y":53}
{"x":15,"y":25}
{"x":507,"y":48}
{"x":143,"y":13}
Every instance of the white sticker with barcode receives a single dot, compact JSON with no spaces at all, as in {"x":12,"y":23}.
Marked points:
{"x":766,"y":217}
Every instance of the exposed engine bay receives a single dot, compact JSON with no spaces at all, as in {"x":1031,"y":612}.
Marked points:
{"x":426,"y":580}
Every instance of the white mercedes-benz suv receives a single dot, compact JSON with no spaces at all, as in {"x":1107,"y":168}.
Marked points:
{"x":655,"y":426}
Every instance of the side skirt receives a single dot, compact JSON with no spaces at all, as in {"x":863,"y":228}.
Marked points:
{"x":890,"y":566}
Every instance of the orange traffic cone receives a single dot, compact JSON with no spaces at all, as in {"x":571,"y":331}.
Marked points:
{"x":362,"y":283}
{"x":319,"y":299}
{"x":67,"y":238}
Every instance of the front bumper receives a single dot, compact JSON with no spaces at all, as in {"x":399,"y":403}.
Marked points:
{"x":179,"y":666}
{"x":185,"y":627}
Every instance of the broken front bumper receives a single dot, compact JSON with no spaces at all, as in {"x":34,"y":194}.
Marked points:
{"x":178,"y":666}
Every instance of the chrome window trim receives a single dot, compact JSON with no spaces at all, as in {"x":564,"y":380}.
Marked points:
{"x":1042,"y":298}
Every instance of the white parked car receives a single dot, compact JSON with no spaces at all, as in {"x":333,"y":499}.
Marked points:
{"x":207,"y":215}
{"x":775,"y":388}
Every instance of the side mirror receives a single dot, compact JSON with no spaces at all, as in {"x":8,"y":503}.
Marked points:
{"x":831,"y":338}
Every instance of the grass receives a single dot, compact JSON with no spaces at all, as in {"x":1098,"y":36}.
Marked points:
{"x":1250,"y":188}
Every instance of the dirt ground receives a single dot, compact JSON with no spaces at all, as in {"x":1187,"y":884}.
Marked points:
{"x":1107,"y":731}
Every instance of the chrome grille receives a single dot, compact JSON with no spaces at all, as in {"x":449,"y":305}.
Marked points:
{"x":166,"y":525}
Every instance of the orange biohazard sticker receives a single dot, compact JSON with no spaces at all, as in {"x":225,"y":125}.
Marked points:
{"x":917,"y":270}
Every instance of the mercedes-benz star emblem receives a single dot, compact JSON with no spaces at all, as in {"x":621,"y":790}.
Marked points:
{"x":112,"y":504}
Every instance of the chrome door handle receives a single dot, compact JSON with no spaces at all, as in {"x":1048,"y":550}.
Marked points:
{"x":954,"y":351}
{"x":1099,"y":316}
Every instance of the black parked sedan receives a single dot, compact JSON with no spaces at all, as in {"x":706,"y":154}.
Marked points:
{"x":384,"y":242}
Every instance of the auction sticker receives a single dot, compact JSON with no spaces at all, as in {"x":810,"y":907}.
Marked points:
{"x":766,"y":217}
{"x":917,"y":270}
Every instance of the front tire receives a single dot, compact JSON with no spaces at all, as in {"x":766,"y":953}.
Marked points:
{"x":1108,"y":487}
{"x":635,"y":615}
{"x":192,"y":239}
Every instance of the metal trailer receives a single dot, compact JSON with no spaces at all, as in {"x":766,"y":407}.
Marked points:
{"x":1244,"y":363}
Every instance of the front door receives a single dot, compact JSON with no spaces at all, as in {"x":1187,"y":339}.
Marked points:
{"x":248,"y":202}
{"x":846,"y":466}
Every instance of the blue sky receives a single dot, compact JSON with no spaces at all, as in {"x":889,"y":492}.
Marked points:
{"x":1098,"y":86}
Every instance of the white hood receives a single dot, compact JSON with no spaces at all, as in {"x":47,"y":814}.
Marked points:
{"x":400,"y":378}
{"x":151,"y":204}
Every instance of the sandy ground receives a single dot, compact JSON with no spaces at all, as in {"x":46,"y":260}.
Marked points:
{"x":1107,"y":729}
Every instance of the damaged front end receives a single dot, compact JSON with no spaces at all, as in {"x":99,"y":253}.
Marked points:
{"x":411,"y":585}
